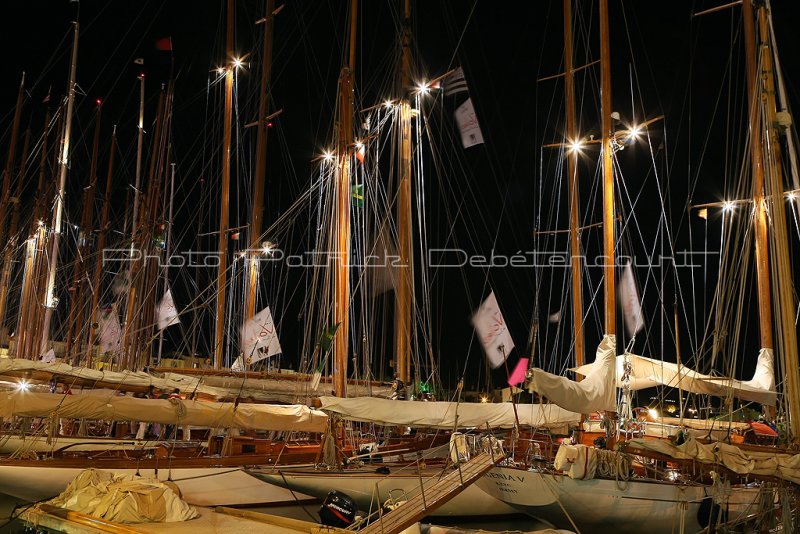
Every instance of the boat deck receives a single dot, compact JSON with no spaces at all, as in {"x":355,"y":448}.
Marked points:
{"x":219,"y":520}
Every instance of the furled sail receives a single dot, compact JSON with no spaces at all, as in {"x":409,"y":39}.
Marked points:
{"x":744,"y":462}
{"x":448,"y":414}
{"x":595,"y":393}
{"x":166,"y":411}
{"x":280,"y":388}
{"x":647,"y":373}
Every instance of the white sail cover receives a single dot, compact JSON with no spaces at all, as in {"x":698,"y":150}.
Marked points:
{"x":595,"y":393}
{"x":109,"y":329}
{"x":282,"y":388}
{"x":493,"y":332}
{"x":647,"y":373}
{"x":123,"y":498}
{"x":257,"y":333}
{"x":167,"y":313}
{"x":743,"y":462}
{"x":448,"y":415}
{"x":114,"y":407}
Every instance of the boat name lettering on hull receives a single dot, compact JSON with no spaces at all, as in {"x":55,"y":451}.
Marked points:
{"x":503,"y":476}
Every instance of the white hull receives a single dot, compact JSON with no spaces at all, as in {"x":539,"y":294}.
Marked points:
{"x":212,"y":486}
{"x":10,"y":444}
{"x":360,"y":486}
{"x":601,"y":505}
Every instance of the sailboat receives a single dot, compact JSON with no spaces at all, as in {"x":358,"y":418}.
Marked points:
{"x":669,"y":480}
{"x":41,"y":461}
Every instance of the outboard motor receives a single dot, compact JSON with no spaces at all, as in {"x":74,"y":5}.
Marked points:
{"x":338,"y":510}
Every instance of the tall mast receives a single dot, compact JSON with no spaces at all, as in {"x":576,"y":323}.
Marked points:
{"x":757,"y":164}
{"x":784,"y":282}
{"x":341,"y":308}
{"x":12,"y":154}
{"x":101,"y":245}
{"x":167,"y":250}
{"x":608,"y":174}
{"x":27,"y":305}
{"x":50,"y":300}
{"x":139,"y":290}
{"x":76,"y":305}
{"x":139,"y":142}
{"x":261,"y":160}
{"x":403,"y":300}
{"x":219,"y":329}
{"x":574,"y":191}
{"x":5,"y":198}
{"x":11,"y":246}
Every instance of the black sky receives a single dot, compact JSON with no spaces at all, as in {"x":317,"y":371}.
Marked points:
{"x":675,"y":63}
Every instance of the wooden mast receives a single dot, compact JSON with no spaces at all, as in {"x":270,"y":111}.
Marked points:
{"x":784,"y":282}
{"x":27,"y":305}
{"x":167,"y":251}
{"x":76,"y":310}
{"x":137,"y":188}
{"x":152,"y":216}
{"x":12,"y":154}
{"x":608,"y":174}
{"x":261,"y":161}
{"x":45,"y":188}
{"x":757,"y":165}
{"x":11,"y":246}
{"x":341,"y":308}
{"x":5,"y":198}
{"x":403,"y":299}
{"x":50,"y":299}
{"x":222,"y":270}
{"x":139,"y":243}
{"x":574,"y":191}
{"x":101,"y":245}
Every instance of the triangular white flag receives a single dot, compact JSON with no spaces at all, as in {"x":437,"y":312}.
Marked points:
{"x":468,"y":124}
{"x":109,"y":330}
{"x":492,"y":329}
{"x":259,"y":340}
{"x":629,"y":300}
{"x":49,"y":356}
{"x":166,"y":312}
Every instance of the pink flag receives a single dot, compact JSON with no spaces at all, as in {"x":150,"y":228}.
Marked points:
{"x":518,"y":375}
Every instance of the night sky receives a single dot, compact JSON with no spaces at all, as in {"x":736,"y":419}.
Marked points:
{"x":664,"y":62}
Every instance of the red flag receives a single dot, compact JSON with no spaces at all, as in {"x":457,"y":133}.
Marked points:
{"x":518,"y":375}
{"x":165,"y":43}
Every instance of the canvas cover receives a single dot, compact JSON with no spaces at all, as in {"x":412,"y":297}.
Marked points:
{"x":123,"y":498}
{"x":287,"y":389}
{"x":647,"y":373}
{"x":744,"y":462}
{"x":443,"y":414}
{"x":166,"y":411}
{"x":595,"y":393}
